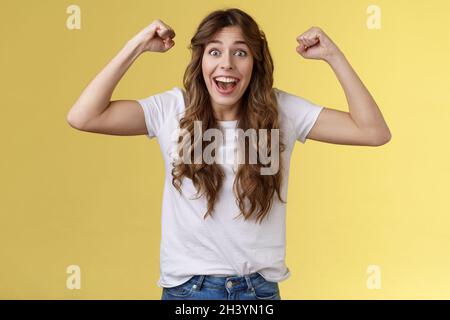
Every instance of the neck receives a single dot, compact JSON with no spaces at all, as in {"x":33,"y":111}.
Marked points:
{"x":226,"y":113}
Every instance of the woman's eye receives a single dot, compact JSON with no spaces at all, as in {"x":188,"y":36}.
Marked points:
{"x":244,"y":53}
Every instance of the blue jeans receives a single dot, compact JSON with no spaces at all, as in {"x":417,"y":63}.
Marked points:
{"x":207,"y":287}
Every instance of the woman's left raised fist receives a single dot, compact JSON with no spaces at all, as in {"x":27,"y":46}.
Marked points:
{"x":315,"y":44}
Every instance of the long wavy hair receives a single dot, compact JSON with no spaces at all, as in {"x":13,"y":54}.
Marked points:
{"x":258,"y":111}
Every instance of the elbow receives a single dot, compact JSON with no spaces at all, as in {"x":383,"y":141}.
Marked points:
{"x":381,"y":138}
{"x":70,"y":121}
{"x":73,"y":122}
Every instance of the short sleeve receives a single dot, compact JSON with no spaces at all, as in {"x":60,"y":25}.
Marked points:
{"x":158,"y":108}
{"x":301,"y":112}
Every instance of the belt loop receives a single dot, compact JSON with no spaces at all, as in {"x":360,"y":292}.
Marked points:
{"x":249,"y":282}
{"x":198,"y":284}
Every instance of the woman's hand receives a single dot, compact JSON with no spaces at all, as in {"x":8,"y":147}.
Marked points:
{"x":315,"y":44}
{"x":157,"y":37}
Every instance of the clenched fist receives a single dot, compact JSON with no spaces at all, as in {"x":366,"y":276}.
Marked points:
{"x":315,"y":44}
{"x":157,"y":37}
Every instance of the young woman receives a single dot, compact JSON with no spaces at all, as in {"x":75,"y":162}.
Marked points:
{"x":223,"y":224}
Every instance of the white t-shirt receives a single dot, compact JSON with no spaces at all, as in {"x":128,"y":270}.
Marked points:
{"x":221,"y":244}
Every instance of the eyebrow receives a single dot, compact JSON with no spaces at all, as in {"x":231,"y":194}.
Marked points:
{"x":236,"y":42}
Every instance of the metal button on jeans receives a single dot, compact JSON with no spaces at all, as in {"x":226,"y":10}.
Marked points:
{"x":229,"y":284}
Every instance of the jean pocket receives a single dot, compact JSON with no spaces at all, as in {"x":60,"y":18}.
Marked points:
{"x":267,"y":290}
{"x":182,"y":291}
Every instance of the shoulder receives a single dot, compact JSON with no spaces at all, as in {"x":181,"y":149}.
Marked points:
{"x":288,"y":101}
{"x":161,"y":107}
{"x":168,"y":101}
{"x":179,"y":96}
{"x":176,"y":94}
{"x":297,"y":114}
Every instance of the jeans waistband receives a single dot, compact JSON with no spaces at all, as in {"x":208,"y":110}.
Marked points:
{"x":234,"y":281}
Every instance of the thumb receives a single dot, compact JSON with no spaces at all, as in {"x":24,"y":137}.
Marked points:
{"x":302,"y":50}
{"x":169,"y":43}
{"x":305,"y":52}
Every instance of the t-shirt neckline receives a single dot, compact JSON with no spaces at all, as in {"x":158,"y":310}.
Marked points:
{"x":227,"y":123}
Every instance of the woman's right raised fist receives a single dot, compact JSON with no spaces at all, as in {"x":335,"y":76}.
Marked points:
{"x":157,"y":37}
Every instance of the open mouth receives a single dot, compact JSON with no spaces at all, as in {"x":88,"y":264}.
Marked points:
{"x":225,"y":87}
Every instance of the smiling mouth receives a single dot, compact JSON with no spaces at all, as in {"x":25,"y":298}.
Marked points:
{"x":225,"y":88}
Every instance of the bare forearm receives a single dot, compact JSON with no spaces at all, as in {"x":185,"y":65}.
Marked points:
{"x":362,"y":107}
{"x":96,"y":97}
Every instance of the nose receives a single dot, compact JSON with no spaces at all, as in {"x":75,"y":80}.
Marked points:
{"x":226,"y":61}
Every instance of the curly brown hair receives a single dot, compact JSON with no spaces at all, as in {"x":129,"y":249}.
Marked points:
{"x":258,"y":111}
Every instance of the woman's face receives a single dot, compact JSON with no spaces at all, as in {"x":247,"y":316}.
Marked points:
{"x":227,"y":55}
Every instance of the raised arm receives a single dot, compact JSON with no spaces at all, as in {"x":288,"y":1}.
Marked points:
{"x":94,"y":111}
{"x":363,"y":124}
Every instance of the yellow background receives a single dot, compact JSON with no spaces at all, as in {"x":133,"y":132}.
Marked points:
{"x":76,"y":198}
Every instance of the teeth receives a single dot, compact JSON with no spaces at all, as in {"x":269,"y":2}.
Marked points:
{"x":226,"y":79}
